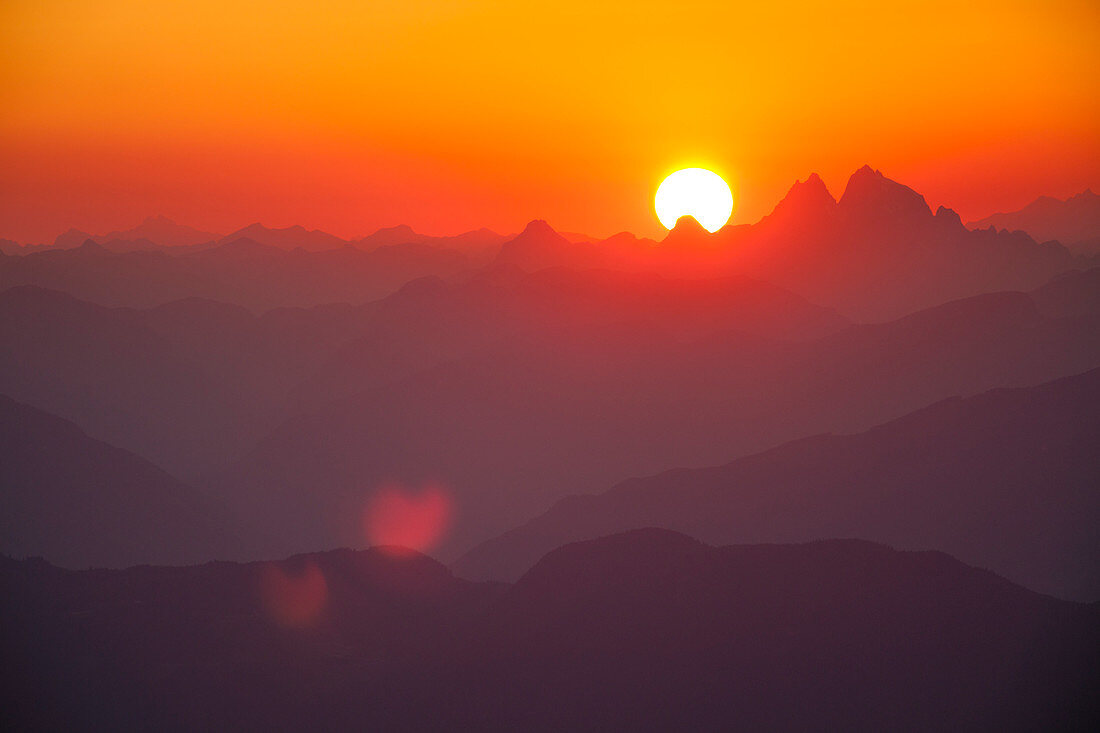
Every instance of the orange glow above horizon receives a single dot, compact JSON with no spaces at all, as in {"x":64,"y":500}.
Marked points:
{"x":447,"y":115}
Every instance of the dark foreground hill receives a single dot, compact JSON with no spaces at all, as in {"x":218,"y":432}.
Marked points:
{"x":649,"y":630}
{"x":1005,"y":480}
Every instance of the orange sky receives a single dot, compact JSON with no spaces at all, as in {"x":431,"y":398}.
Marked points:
{"x":450,"y":115}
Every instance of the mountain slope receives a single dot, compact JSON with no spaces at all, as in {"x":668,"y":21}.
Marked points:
{"x":429,"y":321}
{"x":80,"y":502}
{"x":1005,"y":480}
{"x":572,"y":406}
{"x":111,"y":373}
{"x":1075,"y":222}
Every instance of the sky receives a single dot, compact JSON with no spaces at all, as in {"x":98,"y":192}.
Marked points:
{"x":448,"y":115}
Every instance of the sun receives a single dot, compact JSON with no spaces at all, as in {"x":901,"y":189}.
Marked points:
{"x":698,"y":192}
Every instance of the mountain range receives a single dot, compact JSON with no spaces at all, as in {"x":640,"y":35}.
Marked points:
{"x":1003,"y":480}
{"x":875,"y":254}
{"x":1075,"y":222}
{"x":667,"y":477}
{"x":649,"y":630}
{"x":85,"y":503}
{"x":573,"y":407}
{"x":155,"y":231}
{"x":559,"y":382}
{"x":242,"y":272}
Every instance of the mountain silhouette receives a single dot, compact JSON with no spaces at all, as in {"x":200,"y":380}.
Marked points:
{"x":400,"y":234}
{"x":71,"y":238}
{"x":111,"y":373}
{"x":557,"y":402}
{"x":875,"y":255}
{"x":287,"y":238}
{"x":537,"y":247}
{"x":647,"y":630}
{"x":11,"y":247}
{"x":880,"y":252}
{"x":870,"y":198}
{"x":80,"y":502}
{"x":959,"y":475}
{"x":479,"y":244}
{"x":159,"y":231}
{"x":687,"y":227}
{"x":807,"y":204}
{"x":163,"y":232}
{"x":1075,"y":222}
{"x":1073,"y":294}
{"x":430,"y":321}
{"x":240,"y":270}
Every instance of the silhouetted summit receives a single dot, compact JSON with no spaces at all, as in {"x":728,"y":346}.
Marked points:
{"x":399,"y":234}
{"x":540,"y":229}
{"x":806,"y":203}
{"x":538,"y":246}
{"x":871,"y":194}
{"x":687,"y":231}
{"x":948,"y":216}
{"x":92,"y":247}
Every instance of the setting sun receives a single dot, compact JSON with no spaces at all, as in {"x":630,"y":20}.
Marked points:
{"x":548,"y":365}
{"x":695,"y":191}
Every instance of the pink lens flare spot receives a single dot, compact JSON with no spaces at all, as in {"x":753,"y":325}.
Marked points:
{"x":398,"y":519}
{"x":293,"y":600}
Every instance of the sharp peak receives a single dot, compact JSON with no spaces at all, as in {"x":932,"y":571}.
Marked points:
{"x":539,"y":227}
{"x":254,"y":226}
{"x":867,"y":174}
{"x":944,"y":213}
{"x":90,"y":245}
{"x":870,"y":185}
{"x":687,"y":223}
{"x":812,"y":188}
{"x":686,"y":229}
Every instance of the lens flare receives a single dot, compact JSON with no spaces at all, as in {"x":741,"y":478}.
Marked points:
{"x":293,"y":600}
{"x":396,"y":519}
